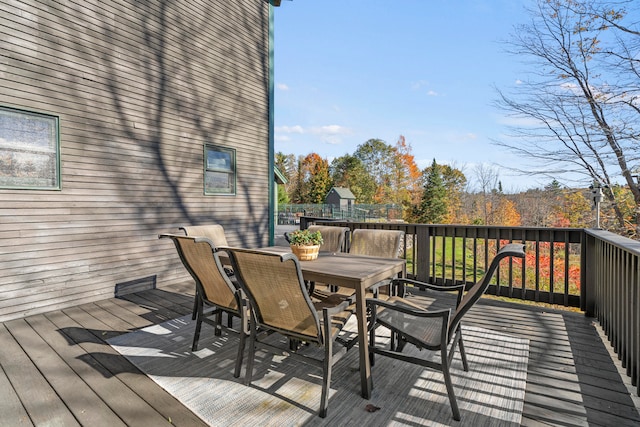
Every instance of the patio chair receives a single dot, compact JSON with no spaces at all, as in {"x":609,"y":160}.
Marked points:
{"x":333,"y":240}
{"x":377,"y":243}
{"x":214,"y":289}
{"x":279,"y":302}
{"x":333,"y":237}
{"x":215,"y":233}
{"x":431,"y":330}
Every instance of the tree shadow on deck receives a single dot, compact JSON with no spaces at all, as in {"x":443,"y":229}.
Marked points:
{"x":572,"y":379}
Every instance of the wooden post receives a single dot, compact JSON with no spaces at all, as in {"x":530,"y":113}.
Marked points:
{"x":423,"y":248}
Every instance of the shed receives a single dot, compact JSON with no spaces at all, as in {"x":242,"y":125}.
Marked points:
{"x":340,"y":198}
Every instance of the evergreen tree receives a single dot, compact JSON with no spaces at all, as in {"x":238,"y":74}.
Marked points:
{"x":433,"y":206}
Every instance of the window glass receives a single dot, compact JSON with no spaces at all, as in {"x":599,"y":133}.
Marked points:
{"x":219,"y":170}
{"x":29,"y":150}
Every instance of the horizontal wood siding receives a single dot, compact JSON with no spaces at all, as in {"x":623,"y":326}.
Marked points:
{"x":139,"y":87}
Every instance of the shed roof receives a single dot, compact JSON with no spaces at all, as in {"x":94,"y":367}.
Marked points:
{"x":343,"y":192}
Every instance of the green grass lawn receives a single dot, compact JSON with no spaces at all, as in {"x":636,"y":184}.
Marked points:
{"x":448,"y":249}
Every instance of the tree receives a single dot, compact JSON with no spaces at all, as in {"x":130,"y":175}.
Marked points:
{"x":287,"y":164}
{"x":455,"y":183}
{"x":505,"y":213}
{"x":576,"y":209}
{"x":408,"y":175}
{"x":582,"y":95}
{"x":433,"y":206}
{"x":381,"y":162}
{"x":487,"y":178}
{"x":349,"y":172}
{"x":283,"y":197}
{"x":315,"y":179}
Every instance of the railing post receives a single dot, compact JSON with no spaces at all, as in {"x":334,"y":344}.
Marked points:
{"x":423,"y":248}
{"x":588,"y":275}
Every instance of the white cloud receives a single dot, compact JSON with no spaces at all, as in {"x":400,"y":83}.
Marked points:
{"x":519,"y":82}
{"x":289,"y":129}
{"x":282,"y":86}
{"x":331,"y":134}
{"x":331,"y":139}
{"x":330,"y":130}
{"x":422,"y":84}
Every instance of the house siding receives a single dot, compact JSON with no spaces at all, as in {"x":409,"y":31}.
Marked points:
{"x":139,"y":88}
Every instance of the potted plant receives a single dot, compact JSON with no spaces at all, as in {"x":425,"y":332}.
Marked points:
{"x":305,"y":244}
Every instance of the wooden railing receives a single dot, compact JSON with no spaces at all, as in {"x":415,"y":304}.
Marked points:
{"x":595,"y":270}
{"x":454,"y":254}
{"x":612,"y":274}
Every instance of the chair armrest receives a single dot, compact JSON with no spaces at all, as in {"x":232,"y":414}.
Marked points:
{"x":373,"y":302}
{"x":425,"y":285}
{"x":337,"y":308}
{"x":400,"y":287}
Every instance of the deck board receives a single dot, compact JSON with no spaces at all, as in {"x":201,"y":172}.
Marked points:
{"x":87,"y":407}
{"x":57,"y":364}
{"x":100,"y":366}
{"x":9,"y":400}
{"x":38,"y":397}
{"x":144,"y":402}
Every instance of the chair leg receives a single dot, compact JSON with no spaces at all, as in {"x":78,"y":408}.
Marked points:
{"x":372,"y":343}
{"x":195,"y":306}
{"x":196,"y":333}
{"x":327,"y":367}
{"x":229,"y":320}
{"x":218,"y":323}
{"x":449,"y":384}
{"x":241,"y":345}
{"x":252,"y":354}
{"x":463,"y":354}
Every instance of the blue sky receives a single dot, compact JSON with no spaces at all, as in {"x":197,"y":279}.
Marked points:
{"x":350,"y":70}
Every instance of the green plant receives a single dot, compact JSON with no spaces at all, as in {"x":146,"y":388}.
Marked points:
{"x":305,"y":238}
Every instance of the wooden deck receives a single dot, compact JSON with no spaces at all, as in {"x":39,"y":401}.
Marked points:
{"x":58,"y":370}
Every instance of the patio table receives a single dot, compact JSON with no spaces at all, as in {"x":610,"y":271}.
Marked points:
{"x":355,"y":272}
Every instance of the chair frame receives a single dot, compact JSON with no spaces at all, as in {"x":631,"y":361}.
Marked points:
{"x":327,"y":321}
{"x":203,"y":299}
{"x":368,"y":237}
{"x":450,"y":330}
{"x":215,"y":233}
{"x":365,"y":244}
{"x":331,"y":234}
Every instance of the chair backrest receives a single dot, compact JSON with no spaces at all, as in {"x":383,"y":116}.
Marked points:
{"x":479,"y":288}
{"x":277,"y":293}
{"x":213,"y":232}
{"x":378,"y":243}
{"x":332,"y":237}
{"x":200,"y":258}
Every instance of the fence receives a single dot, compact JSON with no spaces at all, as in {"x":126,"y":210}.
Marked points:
{"x":291,"y":213}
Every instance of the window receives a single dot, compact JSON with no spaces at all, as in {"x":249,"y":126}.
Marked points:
{"x":29,"y":150}
{"x":219,"y":170}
